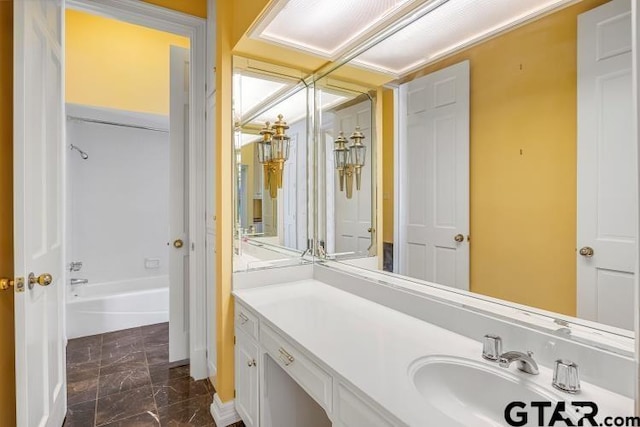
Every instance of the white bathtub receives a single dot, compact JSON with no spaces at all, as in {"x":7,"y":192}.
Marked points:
{"x":105,"y":307}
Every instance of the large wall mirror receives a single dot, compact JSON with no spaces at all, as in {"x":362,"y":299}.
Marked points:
{"x":345,"y":149}
{"x":270,"y":110}
{"x":507,"y":162}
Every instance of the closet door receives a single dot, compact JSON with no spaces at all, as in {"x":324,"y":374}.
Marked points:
{"x":434,"y":177}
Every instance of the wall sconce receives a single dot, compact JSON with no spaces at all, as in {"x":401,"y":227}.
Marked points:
{"x":349,"y":161}
{"x":273,"y":151}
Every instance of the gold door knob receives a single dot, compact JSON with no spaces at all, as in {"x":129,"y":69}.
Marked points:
{"x":178,"y":243}
{"x":586,"y":252}
{"x":459,"y":238}
{"x":370,"y":229}
{"x":43,"y":280}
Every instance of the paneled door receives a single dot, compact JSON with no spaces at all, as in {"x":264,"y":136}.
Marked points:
{"x":289,"y":233}
{"x":434,"y":177}
{"x":353,"y":216}
{"x":179,"y":206}
{"x":607,"y":167}
{"x":38,"y":212}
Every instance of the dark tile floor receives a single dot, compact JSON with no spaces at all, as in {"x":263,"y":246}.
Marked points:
{"x":124,"y":379}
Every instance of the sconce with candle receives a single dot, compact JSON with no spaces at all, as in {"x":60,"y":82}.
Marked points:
{"x":273,"y":152}
{"x":349,"y":161}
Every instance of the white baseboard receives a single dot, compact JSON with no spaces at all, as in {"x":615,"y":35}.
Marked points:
{"x":224,"y":414}
{"x":199,"y":365}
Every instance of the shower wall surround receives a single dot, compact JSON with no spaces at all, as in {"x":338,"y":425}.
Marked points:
{"x":119,"y":196}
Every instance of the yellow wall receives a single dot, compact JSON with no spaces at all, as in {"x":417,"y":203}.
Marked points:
{"x":117,"y":65}
{"x":387,"y":164}
{"x":190,"y":7}
{"x":523,"y":204}
{"x":244,"y":14}
{"x":224,"y":381}
{"x":247,"y":154}
{"x":7,"y":349}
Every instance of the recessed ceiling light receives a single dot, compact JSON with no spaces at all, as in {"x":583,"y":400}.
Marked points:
{"x":325,"y":28}
{"x":452,"y":26}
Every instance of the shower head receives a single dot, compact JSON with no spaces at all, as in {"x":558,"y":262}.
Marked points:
{"x":84,"y":155}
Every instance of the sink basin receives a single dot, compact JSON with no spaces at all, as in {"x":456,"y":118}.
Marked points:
{"x":473,"y":393}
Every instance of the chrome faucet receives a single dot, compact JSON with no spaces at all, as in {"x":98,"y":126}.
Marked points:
{"x":565,"y":376}
{"x":525,"y":361}
{"x":492,"y":347}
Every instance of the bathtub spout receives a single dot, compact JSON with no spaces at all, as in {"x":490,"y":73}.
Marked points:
{"x":79,"y":281}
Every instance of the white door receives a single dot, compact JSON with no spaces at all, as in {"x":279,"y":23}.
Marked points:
{"x":290,"y":196}
{"x":210,"y":188}
{"x":38,"y":212}
{"x":607,"y":168}
{"x":353,"y":216}
{"x":434,"y":177}
{"x":178,"y":209}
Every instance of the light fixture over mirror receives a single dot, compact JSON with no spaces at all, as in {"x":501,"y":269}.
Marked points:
{"x":273,"y":152}
{"x":350,"y":161}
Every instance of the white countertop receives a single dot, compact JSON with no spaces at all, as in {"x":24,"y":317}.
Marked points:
{"x":372,"y":346}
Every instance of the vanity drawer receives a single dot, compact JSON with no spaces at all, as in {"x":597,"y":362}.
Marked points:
{"x":246,"y":321}
{"x":307,"y":373}
{"x":353,"y":411}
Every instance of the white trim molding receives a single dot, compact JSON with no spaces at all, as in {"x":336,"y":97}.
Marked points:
{"x":635,"y":8}
{"x":90,"y":113}
{"x":159,"y":18}
{"x":224,"y":414}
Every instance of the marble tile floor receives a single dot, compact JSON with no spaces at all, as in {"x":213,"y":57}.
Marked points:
{"x":124,"y":379}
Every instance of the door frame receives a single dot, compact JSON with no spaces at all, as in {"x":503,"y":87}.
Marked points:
{"x":194,"y":28}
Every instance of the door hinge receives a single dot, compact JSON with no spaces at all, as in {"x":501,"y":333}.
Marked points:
{"x":234,"y":393}
{"x":234,"y":340}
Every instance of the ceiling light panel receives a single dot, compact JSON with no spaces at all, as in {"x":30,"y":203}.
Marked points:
{"x":251,"y":91}
{"x":453,"y":25}
{"x":294,"y":108}
{"x":323,"y":27}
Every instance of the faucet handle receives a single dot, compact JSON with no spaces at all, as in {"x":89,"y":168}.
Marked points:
{"x":565,"y":376}
{"x":492,"y":347}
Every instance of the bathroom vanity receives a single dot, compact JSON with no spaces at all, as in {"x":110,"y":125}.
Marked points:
{"x":435,"y":200}
{"x":355,"y":362}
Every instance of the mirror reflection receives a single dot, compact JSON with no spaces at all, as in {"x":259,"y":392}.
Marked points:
{"x":270,"y":112}
{"x":346,"y":131}
{"x":507,"y":164}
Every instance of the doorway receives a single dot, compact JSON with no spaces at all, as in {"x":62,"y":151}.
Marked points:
{"x":40,"y":242}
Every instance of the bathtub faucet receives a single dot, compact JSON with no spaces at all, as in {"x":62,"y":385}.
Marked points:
{"x":79,"y":281}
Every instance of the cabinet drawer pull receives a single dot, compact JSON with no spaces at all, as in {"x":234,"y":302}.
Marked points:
{"x":243,"y":319}
{"x":285,"y":357}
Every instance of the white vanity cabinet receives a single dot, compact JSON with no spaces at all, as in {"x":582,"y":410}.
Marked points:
{"x":278,"y":384}
{"x":352,"y":410}
{"x":246,"y":372}
{"x":247,"y":356}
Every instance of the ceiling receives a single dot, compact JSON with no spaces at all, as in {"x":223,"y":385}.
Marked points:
{"x":333,"y":28}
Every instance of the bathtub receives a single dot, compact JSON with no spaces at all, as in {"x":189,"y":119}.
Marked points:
{"x":96,"y":308}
